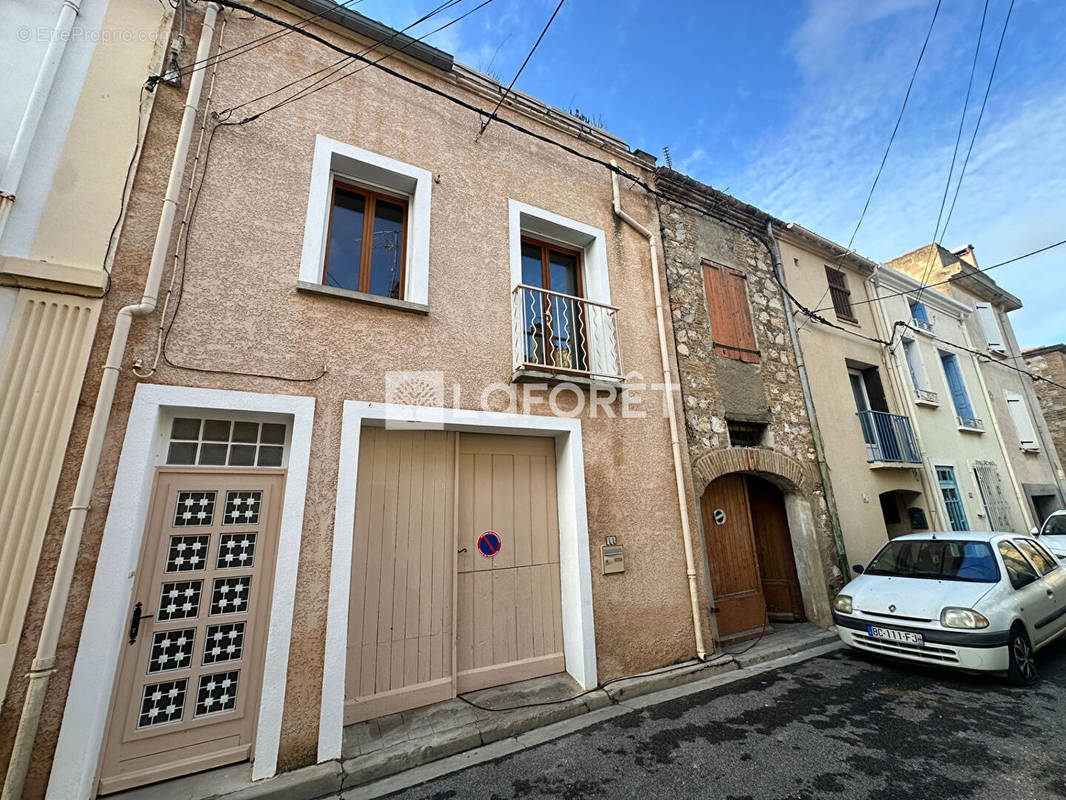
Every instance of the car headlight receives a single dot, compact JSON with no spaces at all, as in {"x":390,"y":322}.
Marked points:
{"x":962,"y":618}
{"x":842,"y":603}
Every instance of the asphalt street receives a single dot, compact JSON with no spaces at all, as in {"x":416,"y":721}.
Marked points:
{"x":841,"y":725}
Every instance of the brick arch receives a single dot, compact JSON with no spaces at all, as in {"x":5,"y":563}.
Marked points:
{"x":772,"y":463}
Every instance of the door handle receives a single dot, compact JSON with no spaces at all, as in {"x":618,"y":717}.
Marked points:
{"x":1050,"y":593}
{"x":135,"y":621}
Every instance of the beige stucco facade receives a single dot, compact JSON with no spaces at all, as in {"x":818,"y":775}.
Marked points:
{"x":54,"y":233}
{"x":1027,"y":443}
{"x":972,"y":451}
{"x":247,"y":325}
{"x":829,"y":353}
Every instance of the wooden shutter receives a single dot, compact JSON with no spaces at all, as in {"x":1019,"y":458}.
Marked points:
{"x":1023,"y":423}
{"x":956,"y":386}
{"x":839,"y":292}
{"x":727,"y":303}
{"x":990,"y":325}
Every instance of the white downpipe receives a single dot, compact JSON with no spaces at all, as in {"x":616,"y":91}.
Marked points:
{"x":675,"y":440}
{"x":31,"y":117}
{"x":44,"y":663}
{"x":1028,"y":519}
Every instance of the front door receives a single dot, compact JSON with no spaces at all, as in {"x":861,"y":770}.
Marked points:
{"x":187,"y":693}
{"x":731,"y":555}
{"x":773,"y":542}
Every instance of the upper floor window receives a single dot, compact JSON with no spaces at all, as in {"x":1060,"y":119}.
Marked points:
{"x":727,"y":304}
{"x":555,"y":320}
{"x":920,"y":315}
{"x":989,"y":320}
{"x":366,"y":245}
{"x":841,"y":295}
{"x":919,"y":377}
{"x":366,"y":236}
{"x":957,"y":388}
{"x":1023,"y":423}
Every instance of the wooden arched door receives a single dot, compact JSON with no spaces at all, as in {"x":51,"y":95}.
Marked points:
{"x":749,"y":553}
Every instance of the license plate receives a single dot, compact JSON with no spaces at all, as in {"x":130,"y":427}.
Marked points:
{"x":895,"y":636}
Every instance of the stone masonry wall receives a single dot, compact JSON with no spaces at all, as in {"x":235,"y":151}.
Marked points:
{"x":713,"y":386}
{"x":1051,"y":364}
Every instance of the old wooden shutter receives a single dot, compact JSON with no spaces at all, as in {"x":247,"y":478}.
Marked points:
{"x":839,"y":292}
{"x":990,"y":326}
{"x":1023,"y":423}
{"x":727,"y":303}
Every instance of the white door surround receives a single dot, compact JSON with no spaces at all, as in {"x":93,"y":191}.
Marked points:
{"x":103,"y":630}
{"x":579,"y":645}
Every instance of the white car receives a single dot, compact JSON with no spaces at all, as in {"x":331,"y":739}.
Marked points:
{"x":1053,"y":534}
{"x":976,"y":601}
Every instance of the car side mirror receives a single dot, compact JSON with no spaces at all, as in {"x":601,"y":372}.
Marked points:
{"x":1034,"y":530}
{"x":858,"y":569}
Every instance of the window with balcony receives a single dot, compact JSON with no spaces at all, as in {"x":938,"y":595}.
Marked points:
{"x":727,"y":303}
{"x":840,"y":294}
{"x":563,"y":322}
{"x":920,"y":316}
{"x":959,"y":396}
{"x":889,"y":437}
{"x":923,"y":391}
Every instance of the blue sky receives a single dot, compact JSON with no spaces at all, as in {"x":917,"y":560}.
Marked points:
{"x":789,"y":106}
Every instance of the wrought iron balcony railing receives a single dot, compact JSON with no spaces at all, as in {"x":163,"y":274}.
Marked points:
{"x":927,"y":396}
{"x":889,"y":437}
{"x":924,"y":324}
{"x":973,"y":423}
{"x":564,"y":334}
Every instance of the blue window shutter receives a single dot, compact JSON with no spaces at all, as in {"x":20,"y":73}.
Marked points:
{"x":918,"y":312}
{"x":956,"y":386}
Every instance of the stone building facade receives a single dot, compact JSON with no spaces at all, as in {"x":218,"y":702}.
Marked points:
{"x":744,"y":407}
{"x":1050,"y":362}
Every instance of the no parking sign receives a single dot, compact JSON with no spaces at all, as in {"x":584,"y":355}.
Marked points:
{"x":489,"y":544}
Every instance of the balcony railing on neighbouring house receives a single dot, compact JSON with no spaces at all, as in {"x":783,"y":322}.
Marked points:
{"x":889,"y":437}
{"x":927,"y":396}
{"x":924,"y":324}
{"x":974,"y":423}
{"x":564,"y":334}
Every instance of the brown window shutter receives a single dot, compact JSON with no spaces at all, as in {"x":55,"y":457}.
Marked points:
{"x":727,"y":304}
{"x":839,"y":292}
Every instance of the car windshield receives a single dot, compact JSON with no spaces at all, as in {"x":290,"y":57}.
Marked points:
{"x":938,"y":559}
{"x":1055,"y":526}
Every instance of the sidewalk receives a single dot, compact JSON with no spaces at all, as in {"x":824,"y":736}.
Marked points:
{"x":401,"y":750}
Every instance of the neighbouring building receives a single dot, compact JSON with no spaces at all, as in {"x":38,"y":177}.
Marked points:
{"x":769,"y":545}
{"x":875,"y":465}
{"x":1050,"y":363}
{"x":946,"y":398}
{"x":330,"y":486}
{"x":1016,"y":419}
{"x":73,"y":104}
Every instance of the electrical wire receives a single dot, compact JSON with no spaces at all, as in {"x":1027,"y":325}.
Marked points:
{"x":888,"y":148}
{"x":957,"y":277}
{"x":532,"y":50}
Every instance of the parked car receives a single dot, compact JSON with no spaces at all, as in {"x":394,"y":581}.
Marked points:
{"x":971,"y":600}
{"x":1053,"y":533}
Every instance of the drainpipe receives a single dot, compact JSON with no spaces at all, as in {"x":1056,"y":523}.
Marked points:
{"x":44,"y":663}
{"x":816,"y":433}
{"x":930,"y":486}
{"x":675,"y":439}
{"x":31,"y":117}
{"x":1027,"y":516}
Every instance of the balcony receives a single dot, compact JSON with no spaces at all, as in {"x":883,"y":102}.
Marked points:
{"x":927,"y":397}
{"x":974,"y":424}
{"x":889,"y":438}
{"x":922,"y":324}
{"x":563,"y":337}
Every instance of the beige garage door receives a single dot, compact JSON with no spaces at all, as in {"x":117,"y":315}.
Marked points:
{"x":429,"y":615}
{"x":188,"y":689}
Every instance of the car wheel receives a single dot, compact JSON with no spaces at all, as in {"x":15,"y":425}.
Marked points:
{"x":1022,"y":671}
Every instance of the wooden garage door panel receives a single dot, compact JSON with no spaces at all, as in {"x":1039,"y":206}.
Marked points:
{"x":509,"y":616}
{"x":400,"y":618}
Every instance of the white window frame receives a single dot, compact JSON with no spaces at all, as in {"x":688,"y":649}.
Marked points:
{"x":993,"y":331}
{"x":334,"y":159}
{"x":1024,"y":428}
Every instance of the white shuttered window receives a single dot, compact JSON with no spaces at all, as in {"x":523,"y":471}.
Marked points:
{"x":1023,"y":423}
{"x":990,"y":325}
